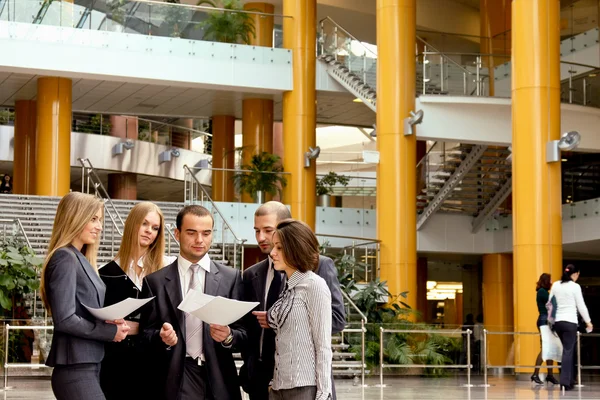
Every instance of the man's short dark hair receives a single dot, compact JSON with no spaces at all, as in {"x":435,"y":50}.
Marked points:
{"x":274,"y":207}
{"x":196,"y":210}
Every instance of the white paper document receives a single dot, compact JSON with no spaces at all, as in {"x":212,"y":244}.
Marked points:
{"x":215,"y":310}
{"x":118,"y":310}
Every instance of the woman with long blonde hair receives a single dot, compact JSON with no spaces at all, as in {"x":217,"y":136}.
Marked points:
{"x":140,"y":254}
{"x":70,"y":280}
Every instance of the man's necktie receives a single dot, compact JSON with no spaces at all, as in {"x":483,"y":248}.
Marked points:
{"x":193,"y":325}
{"x":274,"y":290}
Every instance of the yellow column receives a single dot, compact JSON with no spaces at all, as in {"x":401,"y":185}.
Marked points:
{"x":498,"y":305}
{"x":223,"y":156}
{"x":257,"y":130}
{"x":25,"y":145}
{"x":537,"y":224}
{"x":53,"y":167}
{"x":263,"y":24}
{"x":299,"y":108}
{"x":396,"y":174}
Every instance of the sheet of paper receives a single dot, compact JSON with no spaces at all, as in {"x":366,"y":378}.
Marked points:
{"x":119,"y":310}
{"x":215,"y":310}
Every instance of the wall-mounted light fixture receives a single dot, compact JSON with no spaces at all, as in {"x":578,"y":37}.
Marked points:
{"x":120,"y":148}
{"x":568,"y":141}
{"x":311,"y":154}
{"x":414,"y":119}
{"x":167,"y":155}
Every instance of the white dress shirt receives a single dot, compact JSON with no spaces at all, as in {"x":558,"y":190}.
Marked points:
{"x":185,"y":276}
{"x":569,"y":301}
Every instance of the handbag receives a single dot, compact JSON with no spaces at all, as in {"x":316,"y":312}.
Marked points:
{"x":551,"y":307}
{"x":552,"y":348}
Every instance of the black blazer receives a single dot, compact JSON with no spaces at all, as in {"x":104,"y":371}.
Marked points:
{"x":254,"y":290}
{"x":71,"y":281}
{"x":166,"y":286}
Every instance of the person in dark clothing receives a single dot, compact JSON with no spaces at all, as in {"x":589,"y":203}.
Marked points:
{"x":6,"y":186}
{"x":542,"y":288}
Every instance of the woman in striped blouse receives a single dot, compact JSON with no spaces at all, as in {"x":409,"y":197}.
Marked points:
{"x":301,"y":318}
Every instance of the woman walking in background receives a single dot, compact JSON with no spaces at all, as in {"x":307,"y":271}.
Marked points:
{"x":301,"y":318}
{"x":141,"y":253}
{"x":569,"y":301}
{"x":70,"y":280}
{"x":542,"y":295}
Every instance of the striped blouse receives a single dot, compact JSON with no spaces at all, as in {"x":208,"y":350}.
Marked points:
{"x":301,"y":318}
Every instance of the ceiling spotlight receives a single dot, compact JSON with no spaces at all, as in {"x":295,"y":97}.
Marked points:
{"x":120,"y":148}
{"x":311,"y":154}
{"x":414,"y":119}
{"x":168,"y":155}
{"x":568,"y":141}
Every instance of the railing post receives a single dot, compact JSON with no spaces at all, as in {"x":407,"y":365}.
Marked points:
{"x":322,"y":38}
{"x":441,"y":73}
{"x":6,"y":329}
{"x":579,"y":359}
{"x":381,"y":356}
{"x":469,"y":333}
{"x":335,"y":42}
{"x":424,"y":69}
{"x":485,"y":360}
{"x":477,"y":76}
{"x":464,"y":83}
{"x":82,"y":179}
{"x":362,"y":351}
{"x":571,"y":86}
{"x":584,"y":91}
{"x":364,"y":67}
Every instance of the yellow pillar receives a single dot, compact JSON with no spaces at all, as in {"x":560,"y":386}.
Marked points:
{"x":263,"y":24}
{"x":537,"y":224}
{"x":396,"y":175}
{"x":257,"y":131}
{"x":299,"y":108}
{"x":498,"y":305}
{"x":53,"y":166}
{"x":25,"y":145}
{"x":223,"y":156}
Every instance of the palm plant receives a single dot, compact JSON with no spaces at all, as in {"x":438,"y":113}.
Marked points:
{"x":231,"y":26}
{"x":262,"y":174}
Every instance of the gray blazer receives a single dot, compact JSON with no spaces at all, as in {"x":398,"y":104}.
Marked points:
{"x":165,"y":285}
{"x":71,"y":281}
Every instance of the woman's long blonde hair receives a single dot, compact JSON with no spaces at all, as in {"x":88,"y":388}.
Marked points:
{"x":153,"y":259}
{"x":75,"y":210}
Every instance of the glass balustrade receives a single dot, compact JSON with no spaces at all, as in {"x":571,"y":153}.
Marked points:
{"x":150,"y":18}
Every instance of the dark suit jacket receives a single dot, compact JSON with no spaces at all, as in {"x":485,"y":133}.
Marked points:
{"x":71,"y":281}
{"x":166,"y":286}
{"x":254,"y":290}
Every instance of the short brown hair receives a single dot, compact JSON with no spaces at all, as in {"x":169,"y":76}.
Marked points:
{"x":299,"y":244}
{"x":193,"y":209}
{"x":274,"y":208}
{"x":544,"y":282}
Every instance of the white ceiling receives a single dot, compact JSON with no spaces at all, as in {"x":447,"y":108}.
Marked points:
{"x":112,"y":97}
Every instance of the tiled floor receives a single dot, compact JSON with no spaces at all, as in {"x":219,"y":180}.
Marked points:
{"x":396,"y":388}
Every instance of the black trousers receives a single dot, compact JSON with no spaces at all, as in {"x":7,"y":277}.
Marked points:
{"x":195,"y":385}
{"x":567,"y":332}
{"x":76,"y":382}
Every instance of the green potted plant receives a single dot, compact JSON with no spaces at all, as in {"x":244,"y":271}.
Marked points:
{"x":262,"y":175}
{"x":325,"y":186}
{"x":18,"y":273}
{"x":232,"y":26}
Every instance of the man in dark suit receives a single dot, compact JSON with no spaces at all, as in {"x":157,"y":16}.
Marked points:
{"x":263,"y":284}
{"x":196,"y":358}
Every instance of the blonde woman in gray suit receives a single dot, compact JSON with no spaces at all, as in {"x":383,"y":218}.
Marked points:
{"x":70,"y":280}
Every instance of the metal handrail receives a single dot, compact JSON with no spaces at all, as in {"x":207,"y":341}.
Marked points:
{"x":98,"y":184}
{"x":168,"y":228}
{"x":159,"y":3}
{"x":443,"y":54}
{"x":188,"y":169}
{"x":369,"y":240}
{"x":363,"y":330}
{"x":362,"y":316}
{"x":347,"y":33}
{"x":178,"y":127}
{"x":7,"y":328}
{"x":21,"y":228}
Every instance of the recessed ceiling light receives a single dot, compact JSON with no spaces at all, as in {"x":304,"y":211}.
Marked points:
{"x":563,"y":159}
{"x":357,"y":100}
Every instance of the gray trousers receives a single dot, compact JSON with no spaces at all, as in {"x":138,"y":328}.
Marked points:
{"x":76,"y":382}
{"x":298,"y":393}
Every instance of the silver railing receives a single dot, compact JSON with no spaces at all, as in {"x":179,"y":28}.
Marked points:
{"x":92,"y":184}
{"x":16,"y":226}
{"x":362,"y":331}
{"x":195,"y":192}
{"x":448,"y":332}
{"x":170,"y":236}
{"x":372,"y":249}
